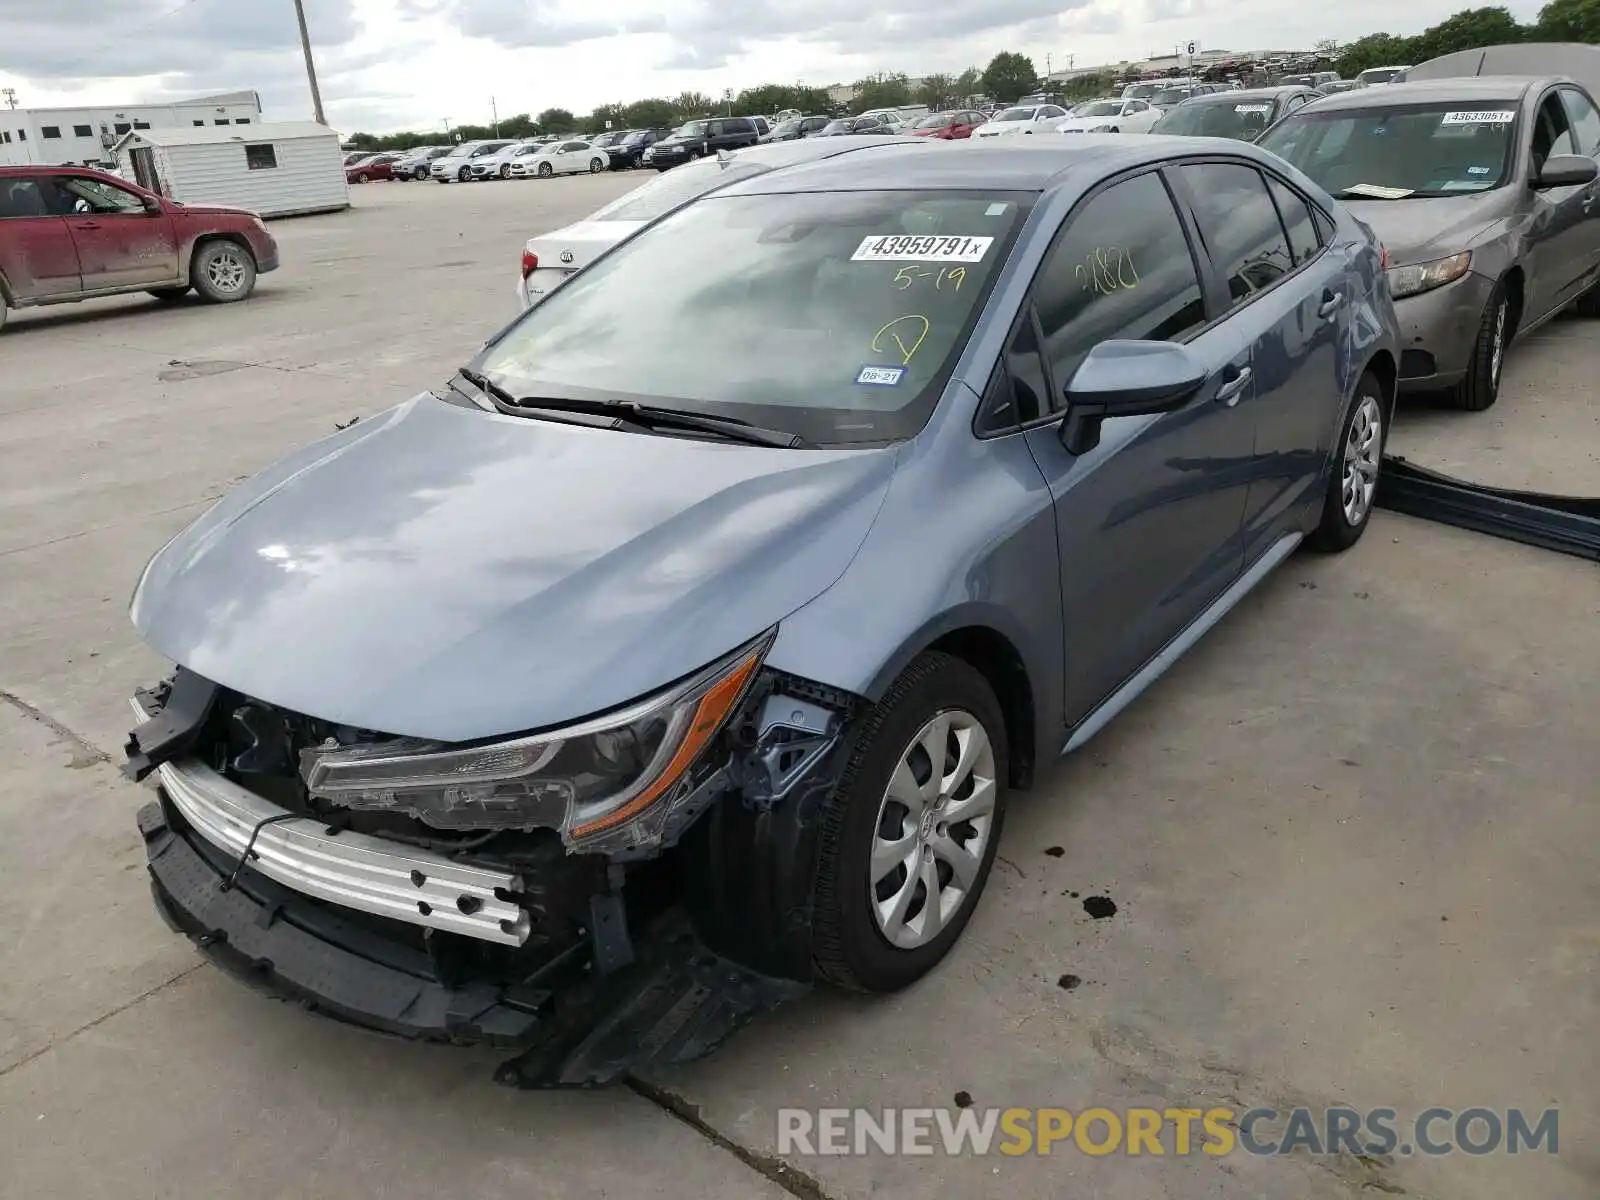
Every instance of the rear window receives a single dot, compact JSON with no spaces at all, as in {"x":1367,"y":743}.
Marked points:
{"x":835,"y":315}
{"x":1389,"y":153}
{"x":937,"y":121}
{"x":1242,"y":120}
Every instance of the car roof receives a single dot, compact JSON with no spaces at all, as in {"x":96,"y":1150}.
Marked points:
{"x":778,"y":155}
{"x":994,"y":164}
{"x":1245,"y":95}
{"x":1509,"y":88}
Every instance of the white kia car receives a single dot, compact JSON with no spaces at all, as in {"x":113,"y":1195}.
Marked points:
{"x":1021,"y":118}
{"x":1111,"y":116}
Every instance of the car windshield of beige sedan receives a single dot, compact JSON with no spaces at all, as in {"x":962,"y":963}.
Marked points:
{"x":837,"y":316}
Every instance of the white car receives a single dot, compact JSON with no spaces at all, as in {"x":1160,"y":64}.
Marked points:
{"x":562,"y":158}
{"x":1022,"y":118}
{"x":498,"y":165}
{"x":1111,"y":116}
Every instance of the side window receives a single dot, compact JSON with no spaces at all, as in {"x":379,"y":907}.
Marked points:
{"x":714,"y":129}
{"x":1022,"y":391}
{"x":1585,"y":120}
{"x":261,"y":158}
{"x":1240,"y":226}
{"x":92,"y":196}
{"x":1121,"y":269}
{"x":1551,"y":132}
{"x":22,"y":198}
{"x":1294,"y":103}
{"x":1305,"y":240}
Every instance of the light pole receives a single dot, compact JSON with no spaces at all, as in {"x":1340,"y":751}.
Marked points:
{"x":311,"y":67}
{"x":494,"y":112}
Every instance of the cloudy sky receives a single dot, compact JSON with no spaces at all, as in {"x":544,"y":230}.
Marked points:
{"x":393,"y":64}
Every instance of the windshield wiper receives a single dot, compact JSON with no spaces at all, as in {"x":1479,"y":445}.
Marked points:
{"x":487,"y":386}
{"x":652,"y":416}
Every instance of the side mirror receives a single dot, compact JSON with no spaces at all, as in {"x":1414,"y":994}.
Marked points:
{"x":151,"y":205}
{"x":1127,"y":379}
{"x":1566,"y":170}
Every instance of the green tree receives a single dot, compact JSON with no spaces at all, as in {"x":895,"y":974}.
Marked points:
{"x":519,"y":126}
{"x":968,"y":83}
{"x":1008,"y":76}
{"x":1569,"y":21}
{"x":616,"y":114}
{"x":1469,"y":29}
{"x":1087,"y":87}
{"x":557,"y":120}
{"x":1375,"y":50}
{"x":881,"y":91}
{"x":812,"y":101}
{"x":764,"y":100}
{"x":651,"y":114}
{"x":692,"y":104}
{"x":939,"y":92}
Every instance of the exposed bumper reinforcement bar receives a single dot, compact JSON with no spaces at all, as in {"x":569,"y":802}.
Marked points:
{"x":1567,"y":524}
{"x":355,"y":870}
{"x":573,"y":1027}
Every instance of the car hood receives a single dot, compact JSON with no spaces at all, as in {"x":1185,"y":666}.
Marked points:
{"x":1085,"y":124}
{"x":443,"y":572}
{"x":1421,"y":230}
{"x":218,"y":210}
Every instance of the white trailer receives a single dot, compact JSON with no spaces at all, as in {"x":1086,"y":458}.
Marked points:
{"x":274,"y":170}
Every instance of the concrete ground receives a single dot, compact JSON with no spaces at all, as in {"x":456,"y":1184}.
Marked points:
{"x":1349,"y":840}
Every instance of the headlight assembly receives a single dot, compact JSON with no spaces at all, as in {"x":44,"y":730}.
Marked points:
{"x":585,"y":780}
{"x":1424,"y":277}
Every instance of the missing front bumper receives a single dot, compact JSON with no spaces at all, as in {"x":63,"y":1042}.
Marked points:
{"x":574,"y":1026}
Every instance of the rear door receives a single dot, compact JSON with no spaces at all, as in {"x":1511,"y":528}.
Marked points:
{"x":119,"y":243}
{"x":1287,"y":294}
{"x":37,"y":256}
{"x":1148,"y":520}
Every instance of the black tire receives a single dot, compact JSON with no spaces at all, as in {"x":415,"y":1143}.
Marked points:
{"x":596,"y":165}
{"x":546,"y":170}
{"x":848,"y":948}
{"x":1480,"y":387}
{"x":420,"y":174}
{"x":170,"y":294}
{"x":4,"y":312}
{"x":1588,"y":304}
{"x":505,"y":170}
{"x":464,"y":175}
{"x":1337,"y":530}
{"x":223,"y":272}
{"x":359,"y":179}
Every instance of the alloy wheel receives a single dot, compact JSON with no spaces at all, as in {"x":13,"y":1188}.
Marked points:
{"x":1363,"y":454}
{"x":1497,"y":352}
{"x":225,"y":270}
{"x":933,"y":828}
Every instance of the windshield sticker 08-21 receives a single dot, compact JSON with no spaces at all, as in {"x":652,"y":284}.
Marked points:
{"x":912,"y":248}
{"x":881,"y":376}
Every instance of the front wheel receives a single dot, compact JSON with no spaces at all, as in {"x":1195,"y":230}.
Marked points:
{"x":909,"y":834}
{"x":596,"y":165}
{"x":546,"y":170}
{"x":420,"y":174}
{"x":223,"y":272}
{"x":1480,"y":388}
{"x":358,"y":179}
{"x":463,"y":175}
{"x":1353,"y":485}
{"x":505,"y":171}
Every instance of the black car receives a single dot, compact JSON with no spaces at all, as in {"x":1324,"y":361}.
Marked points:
{"x":848,"y":125}
{"x":1242,"y":115}
{"x":795,"y":129}
{"x":697,"y":139}
{"x":630,"y":147}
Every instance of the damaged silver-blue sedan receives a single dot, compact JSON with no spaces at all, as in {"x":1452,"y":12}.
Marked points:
{"x":682,"y":649}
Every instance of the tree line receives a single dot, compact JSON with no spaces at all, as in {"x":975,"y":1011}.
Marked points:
{"x":1008,"y":76}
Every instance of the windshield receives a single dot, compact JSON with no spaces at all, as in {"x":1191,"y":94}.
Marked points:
{"x":786,"y":127}
{"x":1410,"y":149}
{"x":675,"y":188}
{"x":1242,"y":120}
{"x":1014,"y":114}
{"x":937,"y":121}
{"x":1141,"y":91}
{"x":834,"y":315}
{"x":1099,"y":108}
{"x":838,"y":127}
{"x":691,"y":129}
{"x":1380,"y":74}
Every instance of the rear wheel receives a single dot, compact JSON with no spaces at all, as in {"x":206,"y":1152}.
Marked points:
{"x":1480,"y":387}
{"x":358,"y":179}
{"x":909,"y":834}
{"x":505,"y":170}
{"x":1353,"y":482}
{"x":420,"y":174}
{"x":596,"y":165}
{"x":3,"y":312}
{"x":546,"y":170}
{"x":463,"y":175}
{"x":223,"y":272}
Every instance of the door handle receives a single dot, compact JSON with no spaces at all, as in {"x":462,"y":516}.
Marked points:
{"x":1588,"y":201}
{"x":88,"y":224}
{"x":1332,"y":302}
{"x":1228,"y":393}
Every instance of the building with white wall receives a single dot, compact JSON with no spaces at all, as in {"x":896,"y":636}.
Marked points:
{"x":88,"y":134}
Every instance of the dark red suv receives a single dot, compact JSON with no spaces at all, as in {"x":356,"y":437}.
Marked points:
{"x":949,"y":125}
{"x":72,"y":233}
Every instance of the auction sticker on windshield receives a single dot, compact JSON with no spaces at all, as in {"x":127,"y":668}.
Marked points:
{"x":881,"y":376}
{"x":910,"y":248}
{"x":1496,"y":117}
{"x":1252,"y":108}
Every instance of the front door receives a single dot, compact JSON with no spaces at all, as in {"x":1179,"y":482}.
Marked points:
{"x":1560,"y":231}
{"x":37,"y":257}
{"x":1257,"y":232}
{"x":120,"y":244}
{"x":1147,"y":522}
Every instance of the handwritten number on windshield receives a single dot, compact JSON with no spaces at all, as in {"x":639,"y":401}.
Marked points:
{"x":906,"y":333}
{"x":909,"y":274}
{"x":1107,"y":269}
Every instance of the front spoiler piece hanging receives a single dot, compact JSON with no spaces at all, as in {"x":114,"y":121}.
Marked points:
{"x":1566,"y":524}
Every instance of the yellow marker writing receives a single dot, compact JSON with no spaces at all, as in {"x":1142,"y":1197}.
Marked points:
{"x":893,"y":329}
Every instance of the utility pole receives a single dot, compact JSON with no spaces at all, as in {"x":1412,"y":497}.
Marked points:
{"x":494,"y":113}
{"x":311,"y":67}
{"x":11,"y":96}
